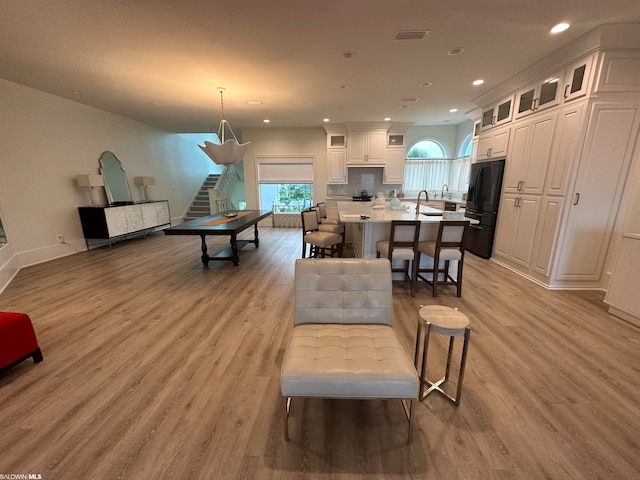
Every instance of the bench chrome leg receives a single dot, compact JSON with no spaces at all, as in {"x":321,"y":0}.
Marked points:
{"x":286,"y":404}
{"x":408,"y":411}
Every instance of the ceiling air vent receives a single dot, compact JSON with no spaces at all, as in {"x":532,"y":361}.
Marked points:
{"x":411,"y":34}
{"x":409,"y":99}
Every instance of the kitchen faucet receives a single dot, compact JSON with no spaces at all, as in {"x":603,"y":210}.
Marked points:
{"x":426,"y":200}
{"x":443,"y":188}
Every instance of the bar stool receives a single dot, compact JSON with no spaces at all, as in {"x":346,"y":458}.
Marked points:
{"x":402,"y":245}
{"x":445,"y":321}
{"x":321,"y":242}
{"x":328,"y":225}
{"x":449,"y":246}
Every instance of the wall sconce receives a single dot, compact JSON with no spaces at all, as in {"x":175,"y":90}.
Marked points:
{"x":92,"y":181}
{"x":145,"y":182}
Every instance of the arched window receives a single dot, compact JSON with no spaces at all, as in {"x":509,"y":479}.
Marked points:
{"x":426,"y":149}
{"x":428,"y":168}
{"x":465,"y":148}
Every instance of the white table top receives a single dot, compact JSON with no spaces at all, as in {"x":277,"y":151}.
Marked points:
{"x":350,"y":213}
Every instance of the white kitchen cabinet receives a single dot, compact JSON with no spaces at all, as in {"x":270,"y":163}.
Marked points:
{"x":474,"y":150}
{"x":497,"y":114}
{"x":337,"y":165}
{"x":367,"y":148}
{"x":337,"y":140}
{"x":336,"y":154}
{"x":493,"y":144}
{"x":546,"y":233}
{"x":394,"y":166}
{"x":566,"y":148}
{"x":619,"y":72}
{"x":395,"y":140}
{"x":539,"y":96}
{"x":611,"y":136}
{"x":476,"y":128}
{"x":622,"y":294}
{"x":578,"y":78}
{"x":529,"y":155}
{"x":516,"y":226}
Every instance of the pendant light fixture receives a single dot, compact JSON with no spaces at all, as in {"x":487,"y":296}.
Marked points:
{"x":227,"y":152}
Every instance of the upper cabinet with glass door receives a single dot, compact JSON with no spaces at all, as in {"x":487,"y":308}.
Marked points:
{"x":539,"y":96}
{"x":576,"y":79}
{"x":497,"y":114}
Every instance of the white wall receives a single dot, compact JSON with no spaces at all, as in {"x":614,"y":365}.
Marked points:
{"x":284,"y":141}
{"x":463,"y":130}
{"x":47,"y":141}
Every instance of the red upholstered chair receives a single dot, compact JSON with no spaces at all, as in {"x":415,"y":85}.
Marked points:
{"x":17,"y":340}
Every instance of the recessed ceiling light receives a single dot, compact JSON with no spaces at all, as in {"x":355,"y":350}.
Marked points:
{"x":425,"y":84}
{"x":387,"y":119}
{"x":561,"y":27}
{"x":78,"y":92}
{"x":406,"y":106}
{"x":477,"y":82}
{"x":348,"y":55}
{"x":266,"y":120}
{"x":152,"y":104}
{"x":345,"y":86}
{"x":455,"y":51}
{"x":255,"y":102}
{"x":326,"y":120}
{"x":453,"y":110}
{"x":409,"y":99}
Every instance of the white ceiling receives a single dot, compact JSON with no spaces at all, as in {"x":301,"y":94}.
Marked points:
{"x":160,"y":61}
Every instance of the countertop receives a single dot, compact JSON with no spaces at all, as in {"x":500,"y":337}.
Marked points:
{"x":350,"y":213}
{"x":410,"y":200}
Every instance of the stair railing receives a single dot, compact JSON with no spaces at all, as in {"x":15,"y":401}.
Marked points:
{"x":220,"y":195}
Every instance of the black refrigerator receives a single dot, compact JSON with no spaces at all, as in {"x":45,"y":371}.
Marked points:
{"x":483,"y":198}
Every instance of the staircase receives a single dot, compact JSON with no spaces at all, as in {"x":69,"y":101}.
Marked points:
{"x":200,"y":206}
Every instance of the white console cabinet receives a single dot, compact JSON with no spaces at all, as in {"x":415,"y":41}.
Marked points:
{"x":119,"y":221}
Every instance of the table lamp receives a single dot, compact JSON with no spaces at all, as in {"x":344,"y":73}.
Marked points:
{"x":92,"y":181}
{"x":145,"y":182}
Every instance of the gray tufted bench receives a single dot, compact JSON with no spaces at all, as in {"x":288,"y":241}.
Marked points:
{"x":343,"y":344}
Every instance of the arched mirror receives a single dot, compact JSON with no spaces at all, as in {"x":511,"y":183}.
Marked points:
{"x":115,"y":180}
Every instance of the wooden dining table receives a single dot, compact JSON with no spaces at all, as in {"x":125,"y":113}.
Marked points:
{"x":229,"y":223}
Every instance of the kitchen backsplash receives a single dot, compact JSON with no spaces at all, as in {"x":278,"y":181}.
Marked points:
{"x":363,"y":178}
{"x":370,"y":179}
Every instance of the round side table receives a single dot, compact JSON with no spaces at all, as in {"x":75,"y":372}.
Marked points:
{"x":445,"y":321}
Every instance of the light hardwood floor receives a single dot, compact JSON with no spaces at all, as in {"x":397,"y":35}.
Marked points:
{"x":155,"y":367}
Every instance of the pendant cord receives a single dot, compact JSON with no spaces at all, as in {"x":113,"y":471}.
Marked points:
{"x":222,"y":120}
{"x":221,"y":102}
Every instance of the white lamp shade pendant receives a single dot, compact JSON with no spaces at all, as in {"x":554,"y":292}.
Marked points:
{"x":229,"y":152}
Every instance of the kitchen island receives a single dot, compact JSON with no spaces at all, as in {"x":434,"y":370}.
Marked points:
{"x":365,"y":233}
